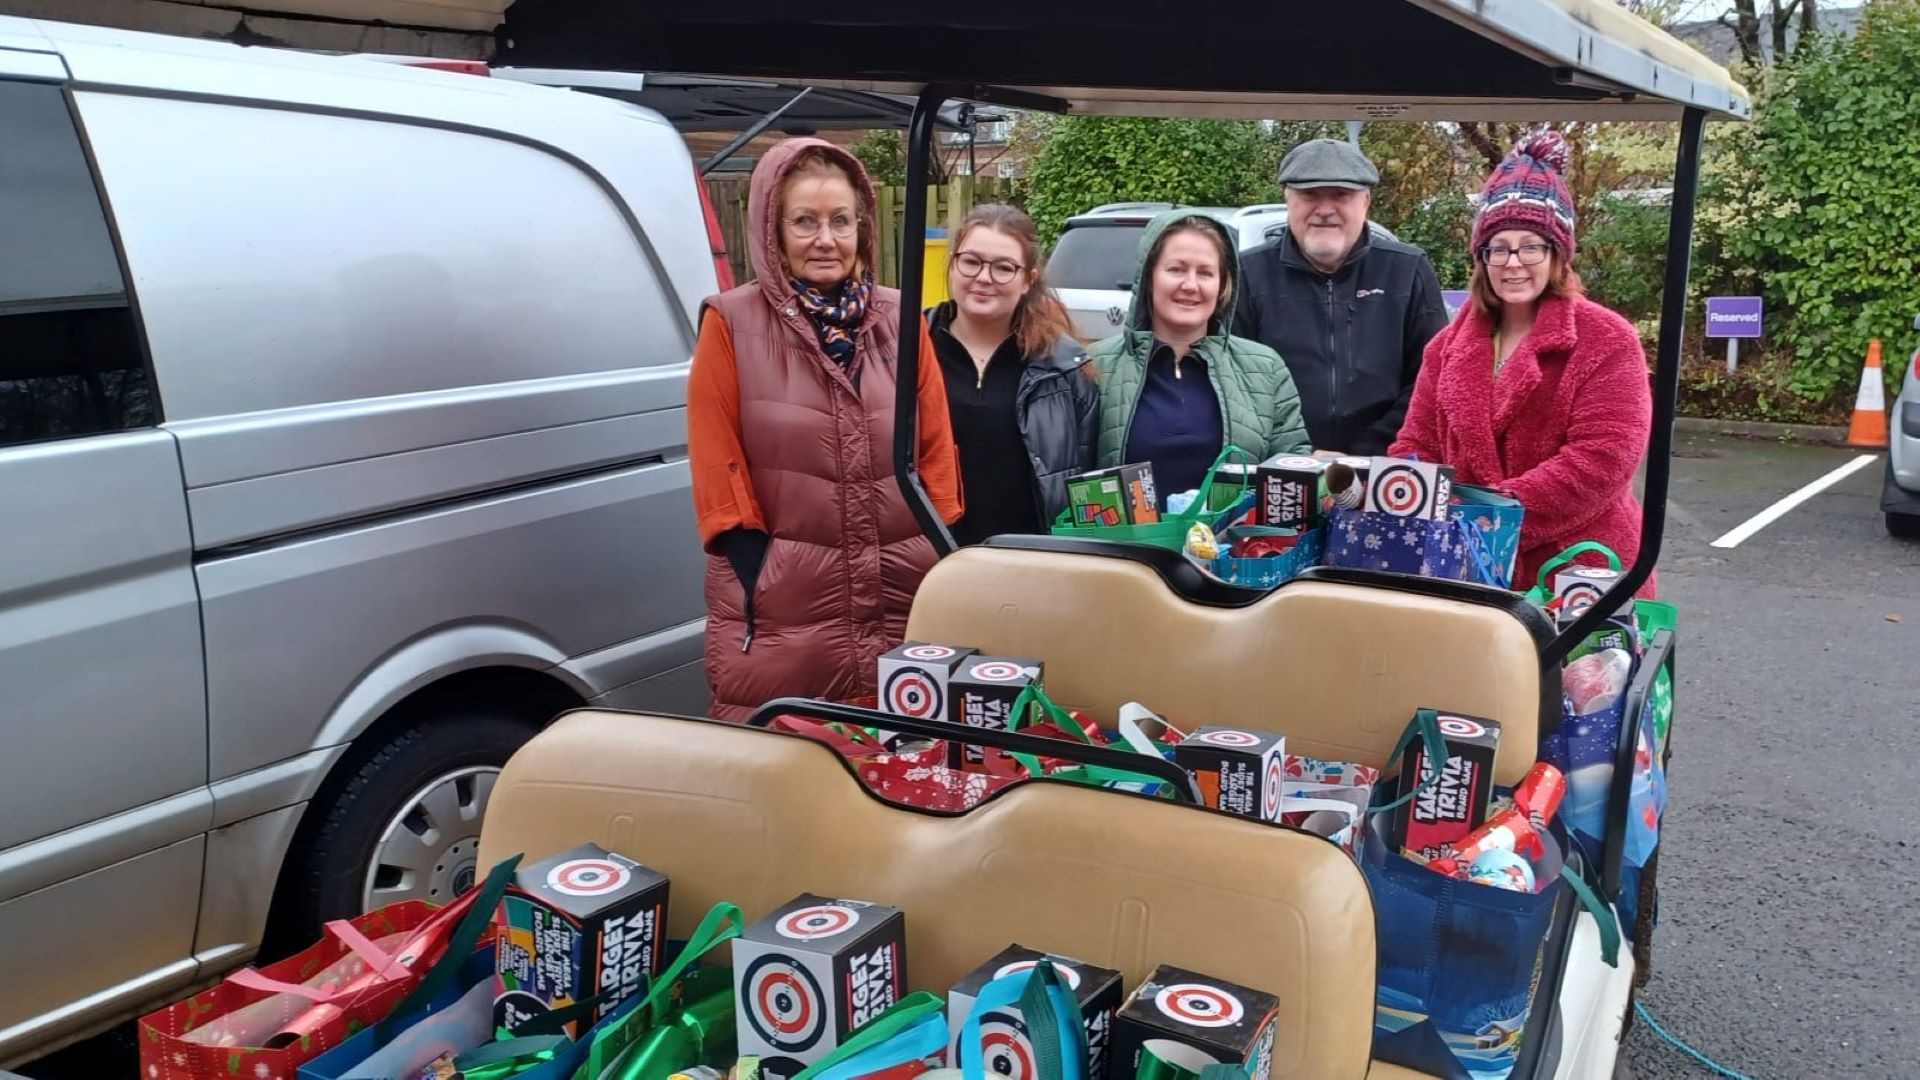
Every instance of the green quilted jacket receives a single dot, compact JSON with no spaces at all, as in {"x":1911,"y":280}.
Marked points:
{"x":1259,"y":408}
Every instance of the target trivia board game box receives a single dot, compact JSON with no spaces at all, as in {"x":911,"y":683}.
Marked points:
{"x":1190,"y":1021}
{"x":581,"y":923}
{"x":913,"y":679}
{"x":1238,"y":771}
{"x":1289,"y":487}
{"x":1409,"y":489}
{"x":1443,"y":812}
{"x":810,"y":973}
{"x":1003,"y":1032}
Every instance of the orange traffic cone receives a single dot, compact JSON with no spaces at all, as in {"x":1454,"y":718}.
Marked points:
{"x":1869,"y":427}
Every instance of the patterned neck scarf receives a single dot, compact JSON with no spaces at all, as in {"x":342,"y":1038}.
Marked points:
{"x":836,"y":317}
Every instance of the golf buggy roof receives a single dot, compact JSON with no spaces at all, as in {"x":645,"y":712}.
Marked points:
{"x":1365,"y":59}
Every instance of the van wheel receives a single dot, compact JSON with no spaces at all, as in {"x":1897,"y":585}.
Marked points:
{"x":1904,"y":526}
{"x":405,"y":825}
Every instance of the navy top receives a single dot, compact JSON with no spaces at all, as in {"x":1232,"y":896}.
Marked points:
{"x":1176,"y":425}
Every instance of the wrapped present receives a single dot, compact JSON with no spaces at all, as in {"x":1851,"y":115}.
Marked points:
{"x":1447,"y":549}
{"x":1310,"y":770}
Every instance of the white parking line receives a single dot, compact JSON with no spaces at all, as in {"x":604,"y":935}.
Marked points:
{"x":1771,"y":514}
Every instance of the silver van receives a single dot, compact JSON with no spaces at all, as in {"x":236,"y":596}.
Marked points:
{"x":342,"y":444}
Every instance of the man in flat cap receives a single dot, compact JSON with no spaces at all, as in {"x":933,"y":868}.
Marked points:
{"x":1348,"y":309}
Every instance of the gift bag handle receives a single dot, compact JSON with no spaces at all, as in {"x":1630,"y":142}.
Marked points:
{"x":917,"y":1021}
{"x":480,"y":906}
{"x":1201,"y":500}
{"x":723,"y":923}
{"x":1603,"y":916}
{"x":1426,"y":726}
{"x":1564,"y":558}
{"x":1047,"y":1010}
{"x":1029,"y":694}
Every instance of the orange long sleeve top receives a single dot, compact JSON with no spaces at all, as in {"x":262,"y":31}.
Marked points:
{"x":723,"y":497}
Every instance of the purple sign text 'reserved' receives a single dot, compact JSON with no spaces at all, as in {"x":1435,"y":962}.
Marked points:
{"x":1733,"y":316}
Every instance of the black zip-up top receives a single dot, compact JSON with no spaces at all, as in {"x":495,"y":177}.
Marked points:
{"x":1352,"y":339}
{"x":1053,"y":424}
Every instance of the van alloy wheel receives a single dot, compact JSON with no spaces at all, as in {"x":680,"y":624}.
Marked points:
{"x":430,"y":849}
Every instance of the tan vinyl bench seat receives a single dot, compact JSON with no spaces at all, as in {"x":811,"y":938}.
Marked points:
{"x":757,"y":817}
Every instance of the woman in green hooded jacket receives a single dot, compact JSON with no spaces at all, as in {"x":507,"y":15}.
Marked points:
{"x":1176,"y":387}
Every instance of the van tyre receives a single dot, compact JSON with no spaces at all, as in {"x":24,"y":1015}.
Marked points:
{"x":447,"y":761}
{"x":1903,"y":526}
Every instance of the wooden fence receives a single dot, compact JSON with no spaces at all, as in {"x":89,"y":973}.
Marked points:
{"x":947,"y":204}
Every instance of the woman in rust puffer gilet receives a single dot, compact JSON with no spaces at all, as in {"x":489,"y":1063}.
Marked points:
{"x":813,"y":556}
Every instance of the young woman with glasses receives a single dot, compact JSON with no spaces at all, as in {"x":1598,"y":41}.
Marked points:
{"x":1535,"y":390}
{"x":1019,"y":389}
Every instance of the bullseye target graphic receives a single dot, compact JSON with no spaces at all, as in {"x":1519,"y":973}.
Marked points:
{"x":1004,"y":1047}
{"x":914,"y":693}
{"x":785,"y":1006}
{"x":1400,"y":489}
{"x":816,"y":922}
{"x":1235,"y":739}
{"x":1578,"y":598}
{"x":588,"y":877}
{"x":1069,"y":978}
{"x":999,"y":671}
{"x":1270,"y":799}
{"x":1460,"y":727}
{"x":1200,"y":1005}
{"x":931,"y":652}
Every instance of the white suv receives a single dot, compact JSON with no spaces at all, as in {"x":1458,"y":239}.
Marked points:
{"x":1093,"y":261}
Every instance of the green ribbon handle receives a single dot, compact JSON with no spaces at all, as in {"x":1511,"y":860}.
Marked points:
{"x":902,"y":1015}
{"x":1604,"y":916}
{"x":1031,"y":694}
{"x":1426,"y":725}
{"x":1051,"y":1014}
{"x":723,"y":923}
{"x":479,"y":915}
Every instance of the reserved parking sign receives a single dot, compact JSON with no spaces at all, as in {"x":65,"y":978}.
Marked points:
{"x":1733,"y":316}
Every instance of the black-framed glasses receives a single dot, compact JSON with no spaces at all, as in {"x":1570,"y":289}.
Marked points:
{"x":999,"y":271}
{"x":1501,"y":255}
{"x":807,"y":226}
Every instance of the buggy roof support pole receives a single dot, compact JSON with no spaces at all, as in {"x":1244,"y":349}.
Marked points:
{"x":906,"y":395}
{"x":1666,"y":393}
{"x":747,"y":136}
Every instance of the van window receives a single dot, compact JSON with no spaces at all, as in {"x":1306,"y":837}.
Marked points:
{"x":291,"y":259}
{"x":70,"y":360}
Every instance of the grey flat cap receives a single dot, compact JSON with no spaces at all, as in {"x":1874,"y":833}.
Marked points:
{"x":1328,"y":163}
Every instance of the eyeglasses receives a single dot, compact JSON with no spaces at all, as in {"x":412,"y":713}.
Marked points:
{"x":806,"y":226}
{"x":1530,"y":254}
{"x":999,"y":271}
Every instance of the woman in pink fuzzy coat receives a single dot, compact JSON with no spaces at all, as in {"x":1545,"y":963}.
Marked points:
{"x":1534,"y":390}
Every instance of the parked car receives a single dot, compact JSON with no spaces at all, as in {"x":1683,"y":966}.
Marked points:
{"x":1093,"y":261}
{"x":1900,"y":496}
{"x":342,"y":445}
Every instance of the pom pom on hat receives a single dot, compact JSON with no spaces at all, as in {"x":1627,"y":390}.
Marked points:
{"x":1549,"y":148}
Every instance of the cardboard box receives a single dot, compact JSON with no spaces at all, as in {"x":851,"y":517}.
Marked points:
{"x":810,"y":973}
{"x":1289,"y":488}
{"x":1456,"y":802}
{"x":580,"y":923}
{"x":913,"y":679}
{"x":1193,"y":1021}
{"x":1410,"y":489}
{"x":1240,"y":772}
{"x":1580,"y":587}
{"x":1121,"y":495}
{"x":1003,"y":1032}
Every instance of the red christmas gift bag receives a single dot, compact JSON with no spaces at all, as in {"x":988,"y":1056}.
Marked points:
{"x":264,"y":1023}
